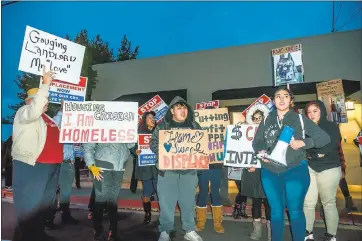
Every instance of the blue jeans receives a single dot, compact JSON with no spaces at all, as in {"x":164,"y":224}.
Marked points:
{"x":206,"y":176}
{"x":34,"y":193}
{"x":173,"y":188}
{"x":287,"y":189}
{"x":149,"y":187}
{"x":66,"y":178}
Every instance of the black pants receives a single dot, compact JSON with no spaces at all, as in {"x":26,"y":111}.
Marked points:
{"x":239,"y":199}
{"x":344,"y":187}
{"x":134,"y":181}
{"x":9,"y":175}
{"x":77,"y":172}
{"x":256,"y":210}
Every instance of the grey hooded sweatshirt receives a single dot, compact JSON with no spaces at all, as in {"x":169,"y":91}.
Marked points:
{"x":168,"y":124}
{"x":267,"y":136}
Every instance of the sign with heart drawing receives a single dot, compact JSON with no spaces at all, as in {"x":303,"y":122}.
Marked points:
{"x":183,"y":149}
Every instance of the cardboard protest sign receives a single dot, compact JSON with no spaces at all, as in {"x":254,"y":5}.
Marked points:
{"x":155,"y":104}
{"x":146,"y":157}
{"x":99,"y":122}
{"x":331,"y":93}
{"x":183,"y":149}
{"x":203,"y":105}
{"x":288,"y":65}
{"x":264,"y":99}
{"x":214,"y":121}
{"x":60,"y":90}
{"x":239,"y":150}
{"x":43,"y":49}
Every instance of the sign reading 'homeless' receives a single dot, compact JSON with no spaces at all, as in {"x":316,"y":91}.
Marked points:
{"x":99,"y":122}
{"x":239,"y":150}
{"x":214,"y":121}
{"x":183,"y":149}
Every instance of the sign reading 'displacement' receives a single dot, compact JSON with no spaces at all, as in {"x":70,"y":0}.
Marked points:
{"x":203,"y":105}
{"x":239,"y":150}
{"x":146,"y":157}
{"x":155,"y":104}
{"x":183,"y":149}
{"x":214,"y":121}
{"x":99,"y":122}
{"x":60,"y":90}
{"x":62,"y":56}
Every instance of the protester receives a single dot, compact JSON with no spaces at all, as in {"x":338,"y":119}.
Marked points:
{"x":212,"y":176}
{"x":240,"y":203}
{"x":176,"y":186}
{"x":287,"y":186}
{"x":7,"y":161}
{"x":147,"y":174}
{"x":251,"y":183}
{"x":358,"y":143}
{"x":65,"y":183}
{"x":78,"y":152}
{"x":106,"y":162}
{"x":37,"y":157}
{"x":325,"y":174}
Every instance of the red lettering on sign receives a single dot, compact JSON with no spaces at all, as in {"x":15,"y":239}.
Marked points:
{"x":249,"y":136}
{"x":112,"y":135}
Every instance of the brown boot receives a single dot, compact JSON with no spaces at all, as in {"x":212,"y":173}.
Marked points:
{"x":201,"y":218}
{"x":217,"y":218}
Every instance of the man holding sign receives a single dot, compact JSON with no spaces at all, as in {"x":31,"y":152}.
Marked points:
{"x":176,"y":186}
{"x":37,"y":155}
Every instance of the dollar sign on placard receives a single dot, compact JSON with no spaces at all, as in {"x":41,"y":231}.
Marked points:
{"x":236,"y":133}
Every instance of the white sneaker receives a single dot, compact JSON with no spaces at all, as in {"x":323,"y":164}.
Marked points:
{"x":192,"y":236}
{"x":309,"y":236}
{"x":164,"y":236}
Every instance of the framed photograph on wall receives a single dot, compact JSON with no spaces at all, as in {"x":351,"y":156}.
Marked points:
{"x":288,"y":65}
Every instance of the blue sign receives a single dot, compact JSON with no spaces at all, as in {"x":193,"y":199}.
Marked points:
{"x":55,"y":97}
{"x":147,"y":159}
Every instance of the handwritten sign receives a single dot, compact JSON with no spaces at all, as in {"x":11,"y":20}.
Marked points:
{"x":331,"y":87}
{"x":68,"y":92}
{"x":264,"y":99}
{"x":155,"y":104}
{"x":214,"y":121}
{"x":239,"y":150}
{"x":55,"y":53}
{"x":203,"y":105}
{"x":99,"y":122}
{"x":146,"y":157}
{"x":183,"y":149}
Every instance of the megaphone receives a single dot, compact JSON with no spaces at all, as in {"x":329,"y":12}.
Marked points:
{"x":278,"y":156}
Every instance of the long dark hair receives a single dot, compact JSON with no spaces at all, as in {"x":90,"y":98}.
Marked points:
{"x":289,"y":92}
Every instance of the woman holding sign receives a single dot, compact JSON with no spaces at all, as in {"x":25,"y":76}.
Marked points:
{"x":285,"y":177}
{"x":251,"y":184}
{"x":147,"y":174}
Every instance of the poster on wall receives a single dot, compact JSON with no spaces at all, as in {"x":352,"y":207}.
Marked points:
{"x":62,"y":56}
{"x":214,"y":121}
{"x":155,"y":104}
{"x":60,"y":90}
{"x":99,"y":122}
{"x":239,"y":150}
{"x":288,"y":65}
{"x":331,"y":93}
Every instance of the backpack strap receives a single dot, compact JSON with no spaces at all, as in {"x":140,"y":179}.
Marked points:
{"x":302,"y":125}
